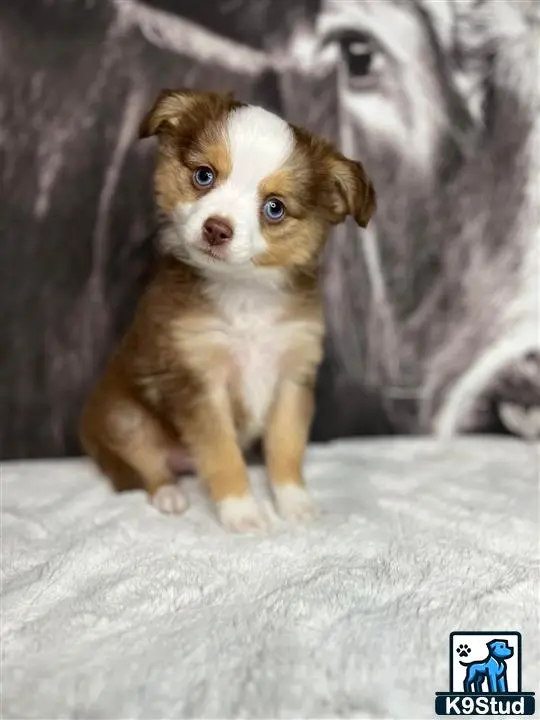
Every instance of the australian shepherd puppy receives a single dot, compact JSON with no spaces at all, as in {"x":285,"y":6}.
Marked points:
{"x":226,"y":341}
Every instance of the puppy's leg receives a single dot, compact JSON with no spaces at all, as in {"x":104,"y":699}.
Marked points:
{"x":285,"y":443}
{"x":210,"y":436}
{"x":132,"y":448}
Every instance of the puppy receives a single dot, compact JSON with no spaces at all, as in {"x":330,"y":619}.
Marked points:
{"x":226,"y":341}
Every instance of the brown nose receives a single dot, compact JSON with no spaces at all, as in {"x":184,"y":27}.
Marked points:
{"x":217,"y":231}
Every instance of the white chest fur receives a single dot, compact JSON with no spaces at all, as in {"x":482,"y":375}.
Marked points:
{"x":255,"y":337}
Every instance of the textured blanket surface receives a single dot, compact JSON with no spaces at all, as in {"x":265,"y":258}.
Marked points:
{"x":110,"y":610}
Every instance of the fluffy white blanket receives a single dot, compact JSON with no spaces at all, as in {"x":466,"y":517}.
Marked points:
{"x":110,"y":610}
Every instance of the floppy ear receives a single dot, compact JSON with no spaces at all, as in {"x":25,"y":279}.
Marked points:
{"x":172,"y":106}
{"x":353,"y":192}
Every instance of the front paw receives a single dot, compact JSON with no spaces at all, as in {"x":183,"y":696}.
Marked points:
{"x":294,"y":503}
{"x":241,"y":515}
{"x":169,"y":499}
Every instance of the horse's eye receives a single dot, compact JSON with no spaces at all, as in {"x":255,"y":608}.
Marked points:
{"x":358,"y":56}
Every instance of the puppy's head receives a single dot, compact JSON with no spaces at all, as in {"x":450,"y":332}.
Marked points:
{"x":241,"y":188}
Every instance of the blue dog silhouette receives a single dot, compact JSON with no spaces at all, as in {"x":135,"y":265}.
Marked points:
{"x":492,"y":669}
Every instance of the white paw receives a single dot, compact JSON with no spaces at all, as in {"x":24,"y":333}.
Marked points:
{"x":521,"y":420}
{"x":242,"y":515}
{"x":170,"y":499}
{"x":294,"y":503}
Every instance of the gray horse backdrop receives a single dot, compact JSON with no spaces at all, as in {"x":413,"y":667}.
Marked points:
{"x":432,"y":314}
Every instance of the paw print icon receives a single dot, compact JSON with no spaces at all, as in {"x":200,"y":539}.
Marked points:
{"x":463,"y":651}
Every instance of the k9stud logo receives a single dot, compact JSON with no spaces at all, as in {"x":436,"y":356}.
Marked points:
{"x":485,"y":676}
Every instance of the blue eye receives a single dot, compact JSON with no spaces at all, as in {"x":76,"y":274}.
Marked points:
{"x":204,"y":177}
{"x":274,"y":210}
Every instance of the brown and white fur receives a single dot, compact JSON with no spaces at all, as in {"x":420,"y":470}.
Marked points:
{"x":226,"y":342}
